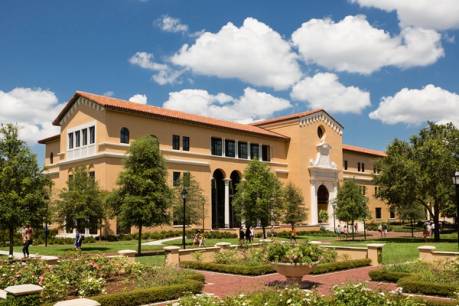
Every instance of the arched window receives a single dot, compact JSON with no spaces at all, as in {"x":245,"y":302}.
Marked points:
{"x":124,"y":135}
{"x":51,"y":158}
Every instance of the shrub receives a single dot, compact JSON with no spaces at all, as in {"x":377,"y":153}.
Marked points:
{"x":229,"y":268}
{"x":226,"y":256}
{"x":303,"y":253}
{"x":150,"y":295}
{"x":387,"y":276}
{"x":340,"y":265}
{"x":412,"y":284}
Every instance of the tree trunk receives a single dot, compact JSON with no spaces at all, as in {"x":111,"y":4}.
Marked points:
{"x":436,"y":219}
{"x":412,"y":228}
{"x":353,"y":230}
{"x":11,"y":232}
{"x":139,"y":242}
{"x":264,"y":232}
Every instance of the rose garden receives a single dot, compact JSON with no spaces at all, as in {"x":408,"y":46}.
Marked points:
{"x":314,"y":267}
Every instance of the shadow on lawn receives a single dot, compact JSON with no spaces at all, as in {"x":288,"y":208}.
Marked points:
{"x":415,"y":240}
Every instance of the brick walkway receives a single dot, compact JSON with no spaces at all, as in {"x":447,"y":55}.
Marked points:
{"x":222,"y":284}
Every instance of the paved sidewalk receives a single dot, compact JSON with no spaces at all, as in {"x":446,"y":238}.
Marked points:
{"x":160,"y":242}
{"x":17,"y":255}
{"x":222,"y":284}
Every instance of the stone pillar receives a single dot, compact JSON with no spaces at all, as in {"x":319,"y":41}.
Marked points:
{"x":172,"y":256}
{"x":314,"y":209}
{"x":374,"y":253}
{"x":128,"y":253}
{"x":227,"y":204}
{"x":78,"y":302}
{"x":425,"y":253}
{"x":16,"y":292}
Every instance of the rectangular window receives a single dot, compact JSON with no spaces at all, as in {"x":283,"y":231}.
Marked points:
{"x":345,"y":165}
{"x":376,"y":191}
{"x":254,"y":151}
{"x":92,"y":134}
{"x":176,"y":178}
{"x":92,"y":175}
{"x":70,"y":140}
{"x":364,"y":190}
{"x":186,"y":143}
{"x":265,"y":153}
{"x":69,"y":183}
{"x":363,"y":167}
{"x":378,"y":212}
{"x":358,"y":167}
{"x":392,"y":213}
{"x":175,"y":142}
{"x":186,"y":179}
{"x":230,"y":148}
{"x":84,"y":135}
{"x":77,"y":139}
{"x":216,"y":146}
{"x":242,"y":150}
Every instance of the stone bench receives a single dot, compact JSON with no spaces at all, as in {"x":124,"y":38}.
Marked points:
{"x":78,"y":302}
{"x":22,"y":290}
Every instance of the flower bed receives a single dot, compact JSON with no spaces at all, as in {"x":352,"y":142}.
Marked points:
{"x":441,"y":278}
{"x":348,"y":295}
{"x":229,"y":268}
{"x":92,"y":275}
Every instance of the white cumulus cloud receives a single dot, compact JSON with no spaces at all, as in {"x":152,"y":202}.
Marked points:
{"x":324,"y":90}
{"x":253,"y":53}
{"x":251,"y":106}
{"x":429,"y":14}
{"x":414,"y":106}
{"x":354,"y":45}
{"x":164,"y":74}
{"x":139,"y":98}
{"x":171,"y":24}
{"x":32,"y":109}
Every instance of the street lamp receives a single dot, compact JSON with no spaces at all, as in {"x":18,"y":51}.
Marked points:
{"x":334,"y":217}
{"x":184,"y":194}
{"x":456,"y":182}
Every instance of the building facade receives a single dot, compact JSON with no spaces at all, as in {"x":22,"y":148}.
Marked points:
{"x":304,"y":148}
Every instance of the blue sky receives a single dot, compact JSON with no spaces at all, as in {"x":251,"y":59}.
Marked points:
{"x":345,"y":56}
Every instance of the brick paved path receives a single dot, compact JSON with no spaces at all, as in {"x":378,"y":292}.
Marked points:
{"x":222,"y":284}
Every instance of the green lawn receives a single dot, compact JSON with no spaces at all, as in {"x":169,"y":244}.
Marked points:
{"x":157,"y":260}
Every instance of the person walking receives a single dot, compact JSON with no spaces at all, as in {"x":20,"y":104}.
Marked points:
{"x":27,"y":233}
{"x":241,"y":235}
{"x":252,"y":234}
{"x":384,"y":227}
{"x":78,"y":240}
{"x":247,"y":234}
{"x":293,"y":235}
{"x":380,"y":230}
{"x":338,"y":231}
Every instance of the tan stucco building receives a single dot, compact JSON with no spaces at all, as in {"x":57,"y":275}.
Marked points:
{"x":305,"y":149}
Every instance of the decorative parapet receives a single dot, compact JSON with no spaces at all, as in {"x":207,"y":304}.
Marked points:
{"x":427,"y":253}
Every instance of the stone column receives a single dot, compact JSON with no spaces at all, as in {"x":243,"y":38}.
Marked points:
{"x":313,"y":208}
{"x":227,"y":204}
{"x":425,"y":253}
{"x":172,"y":256}
{"x":374,"y":253}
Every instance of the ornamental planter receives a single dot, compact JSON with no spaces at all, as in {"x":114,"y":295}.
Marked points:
{"x":293,"y":272}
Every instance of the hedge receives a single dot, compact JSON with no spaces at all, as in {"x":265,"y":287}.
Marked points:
{"x":340,"y":265}
{"x":387,"y":276}
{"x":29,"y":300}
{"x":411,"y":284}
{"x":150,"y":295}
{"x":229,"y":268}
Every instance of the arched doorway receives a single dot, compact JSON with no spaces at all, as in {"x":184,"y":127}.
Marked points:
{"x":218,"y":199}
{"x":235,"y":179}
{"x":322,"y":200}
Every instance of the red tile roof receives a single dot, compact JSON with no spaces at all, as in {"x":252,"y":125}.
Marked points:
{"x":49,"y":139}
{"x":123,"y":105}
{"x":364,"y":150}
{"x":292,"y":116}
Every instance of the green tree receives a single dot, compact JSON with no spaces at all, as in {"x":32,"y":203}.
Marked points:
{"x":412,"y":214}
{"x":351,"y":204}
{"x":81,"y":203}
{"x":259,"y":196}
{"x":143,"y":196}
{"x":418,"y":172}
{"x":294,"y":205}
{"x":195,"y":202}
{"x":23,"y":185}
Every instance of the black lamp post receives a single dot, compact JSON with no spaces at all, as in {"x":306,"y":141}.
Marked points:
{"x":334,"y":217}
{"x":456,"y":182}
{"x":184,"y":195}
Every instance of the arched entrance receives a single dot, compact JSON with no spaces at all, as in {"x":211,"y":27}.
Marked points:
{"x":235,"y":179}
{"x":322,"y":199}
{"x":218,"y":199}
